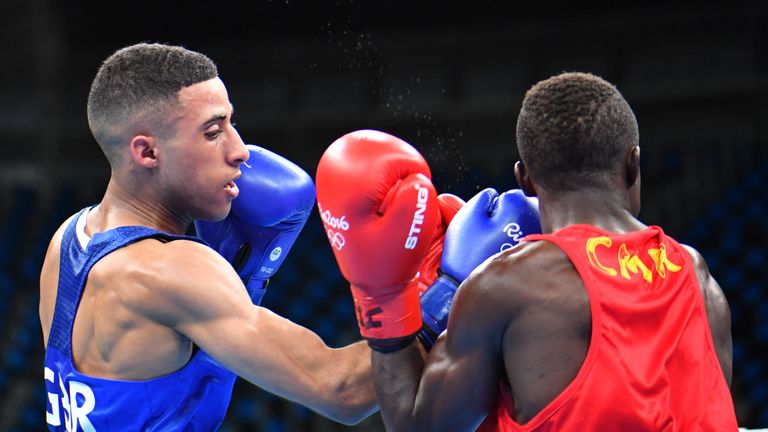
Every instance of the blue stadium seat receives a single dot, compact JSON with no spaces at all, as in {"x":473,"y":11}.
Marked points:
{"x":673,"y":161}
{"x":30,"y":418}
{"x":735,"y":197}
{"x":30,"y":266}
{"x":736,"y":310}
{"x":699,"y":232}
{"x":13,"y":359}
{"x":300,"y":311}
{"x":300,"y":412}
{"x":342,"y":307}
{"x":326,"y":329}
{"x":227,"y":426}
{"x":9,"y":285}
{"x":275,"y":424}
{"x":754,"y":210}
{"x":717,"y":212}
{"x":247,"y":408}
{"x":751,"y":371}
{"x":751,"y":294}
{"x":714,"y":261}
{"x":288,"y":277}
{"x":755,"y":181}
{"x":16,"y":223}
{"x":756,"y":258}
{"x":761,"y":330}
{"x":732,"y":243}
{"x":309,"y":289}
{"x":739,"y":352}
{"x":732,"y":279}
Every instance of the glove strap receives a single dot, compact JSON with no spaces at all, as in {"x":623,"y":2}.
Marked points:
{"x":390,"y":345}
{"x":435,"y":307}
{"x":389,"y":321}
{"x":256,"y":288}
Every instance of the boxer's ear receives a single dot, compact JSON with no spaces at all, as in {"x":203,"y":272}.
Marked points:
{"x":632,"y":166}
{"x":523,"y":180}
{"x":143,"y":150}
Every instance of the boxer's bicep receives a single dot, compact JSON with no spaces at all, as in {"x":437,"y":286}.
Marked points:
{"x":209,"y":305}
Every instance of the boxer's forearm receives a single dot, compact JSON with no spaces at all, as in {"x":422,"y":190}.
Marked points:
{"x":351,"y":393}
{"x":337,"y":383}
{"x":397,"y":376}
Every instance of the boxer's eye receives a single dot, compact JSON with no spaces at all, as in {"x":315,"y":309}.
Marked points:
{"x":213,"y":134}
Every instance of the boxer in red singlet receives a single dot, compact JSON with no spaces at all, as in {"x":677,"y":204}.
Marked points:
{"x":601,"y":323}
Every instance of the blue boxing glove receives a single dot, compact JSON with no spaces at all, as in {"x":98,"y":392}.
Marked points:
{"x":488,"y":224}
{"x":276,"y":198}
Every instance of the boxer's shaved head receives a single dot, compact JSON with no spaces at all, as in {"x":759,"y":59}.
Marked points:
{"x":138,"y":83}
{"x":573,"y":130}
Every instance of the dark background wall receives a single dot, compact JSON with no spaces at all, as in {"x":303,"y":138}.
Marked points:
{"x":447,"y":78}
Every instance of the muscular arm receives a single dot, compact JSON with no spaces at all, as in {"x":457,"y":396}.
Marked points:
{"x":203,"y":299}
{"x":718,"y":313}
{"x":456,"y":387}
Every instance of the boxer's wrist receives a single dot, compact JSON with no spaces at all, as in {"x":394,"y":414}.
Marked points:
{"x":388,"y":316}
{"x":391,"y":345}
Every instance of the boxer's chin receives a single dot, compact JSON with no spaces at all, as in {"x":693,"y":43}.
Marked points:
{"x":217,"y":214}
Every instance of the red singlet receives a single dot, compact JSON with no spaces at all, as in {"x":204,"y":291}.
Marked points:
{"x":651,"y":363}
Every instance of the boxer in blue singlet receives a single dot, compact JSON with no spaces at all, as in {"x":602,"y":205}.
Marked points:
{"x":147,"y":329}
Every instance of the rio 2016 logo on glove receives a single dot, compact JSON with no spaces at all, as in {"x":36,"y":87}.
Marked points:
{"x":334,"y":223}
{"x":513,"y":231}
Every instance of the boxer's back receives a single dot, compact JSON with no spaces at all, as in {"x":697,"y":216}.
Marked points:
{"x":611,"y":329}
{"x":111,"y":330}
{"x":546,"y":346}
{"x":105,"y":355}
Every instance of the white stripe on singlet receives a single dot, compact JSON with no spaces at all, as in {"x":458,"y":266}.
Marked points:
{"x":82,"y":237}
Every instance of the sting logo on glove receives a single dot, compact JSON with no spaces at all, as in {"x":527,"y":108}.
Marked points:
{"x":418,"y":217}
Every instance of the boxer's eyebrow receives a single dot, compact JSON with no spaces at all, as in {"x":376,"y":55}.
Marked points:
{"x":219,"y":117}
{"x":214,"y":119}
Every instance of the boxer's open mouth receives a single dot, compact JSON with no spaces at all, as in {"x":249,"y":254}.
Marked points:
{"x":232,"y":188}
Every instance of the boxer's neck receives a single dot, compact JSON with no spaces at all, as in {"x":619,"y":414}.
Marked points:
{"x":604,"y":208}
{"x":121,"y":207}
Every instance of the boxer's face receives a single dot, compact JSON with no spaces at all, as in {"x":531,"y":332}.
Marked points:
{"x":204,"y":154}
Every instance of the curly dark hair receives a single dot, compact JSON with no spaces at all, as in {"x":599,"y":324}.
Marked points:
{"x":573,"y":131}
{"x":139,"y":80}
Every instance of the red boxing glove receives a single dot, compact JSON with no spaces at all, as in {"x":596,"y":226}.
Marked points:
{"x":380,"y":212}
{"x":449,"y":205}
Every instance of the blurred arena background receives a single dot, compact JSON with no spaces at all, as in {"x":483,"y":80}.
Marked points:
{"x":447,"y":79}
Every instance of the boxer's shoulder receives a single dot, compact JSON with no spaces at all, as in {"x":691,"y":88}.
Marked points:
{"x":160,"y":260}
{"x":527,"y":261}
{"x":699,"y":263}
{"x":521,"y":275}
{"x":152,"y":271}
